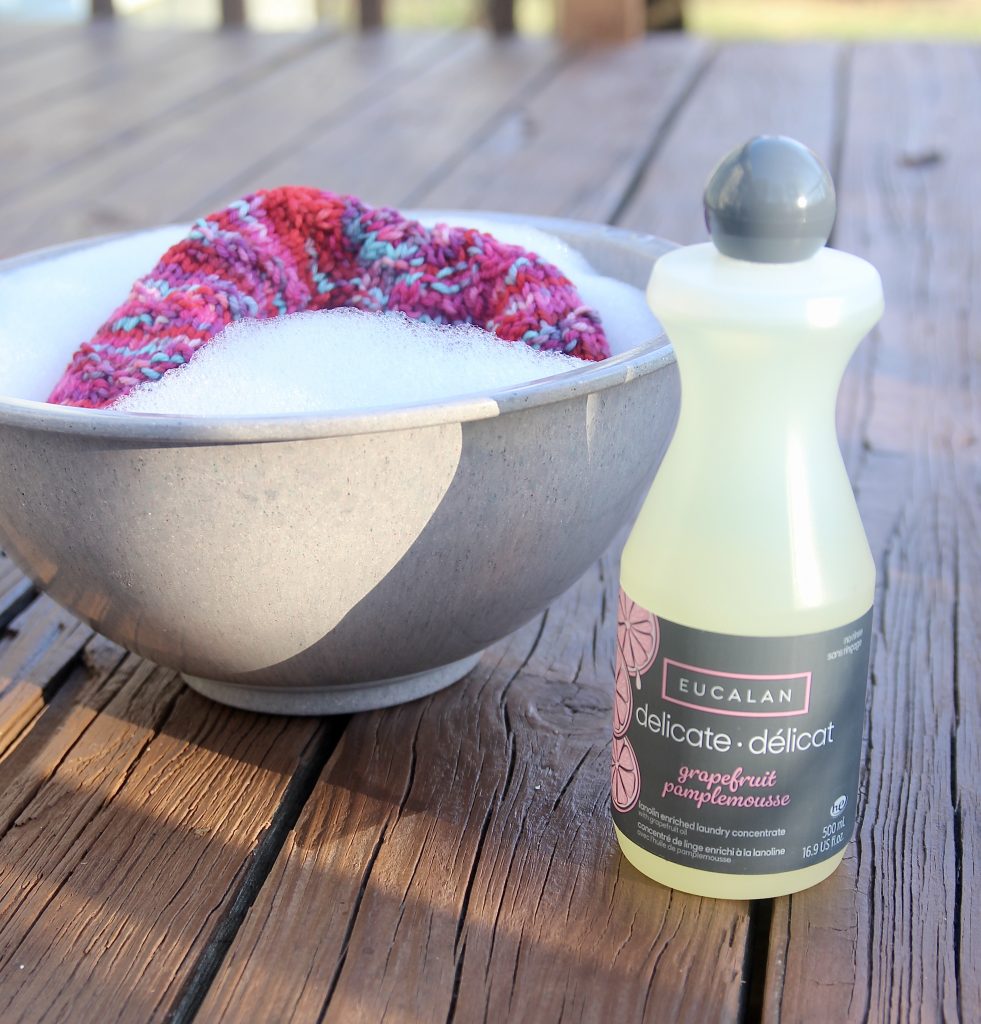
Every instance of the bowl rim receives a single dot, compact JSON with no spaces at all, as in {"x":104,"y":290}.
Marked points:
{"x":177,"y":428}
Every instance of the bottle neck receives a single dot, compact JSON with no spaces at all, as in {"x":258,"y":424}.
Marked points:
{"x":751,"y":526}
{"x":757,"y":387}
{"x":762,"y":348}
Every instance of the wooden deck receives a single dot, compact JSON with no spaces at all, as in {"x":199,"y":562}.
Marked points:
{"x":164,"y":858}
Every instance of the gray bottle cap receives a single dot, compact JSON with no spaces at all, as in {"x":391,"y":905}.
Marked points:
{"x":770,"y":200}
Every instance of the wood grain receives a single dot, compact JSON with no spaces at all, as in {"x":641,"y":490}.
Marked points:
{"x":44,"y":74}
{"x":750,"y":89}
{"x":132,"y":853}
{"x":967,"y":737}
{"x":21,"y":40}
{"x":16,"y":591}
{"x":413,"y":127}
{"x":177,"y":167}
{"x":456,"y":861}
{"x":892,"y":936}
{"x":137,"y":90}
{"x":69,"y":709}
{"x":40,"y":645}
{"x":619,"y":100}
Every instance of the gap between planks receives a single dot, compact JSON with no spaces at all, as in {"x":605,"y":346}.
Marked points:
{"x":745,"y":90}
{"x":355,"y":145}
{"x":140,"y":823}
{"x":456,"y":860}
{"x":146,"y":182}
{"x":964,"y":555}
{"x":142,"y":87}
{"x":401,"y":857}
{"x":529,"y":160}
{"x":37,"y":650}
{"x":904,"y":906}
{"x":211,"y":951}
{"x":68,"y":757}
{"x":670,"y":110}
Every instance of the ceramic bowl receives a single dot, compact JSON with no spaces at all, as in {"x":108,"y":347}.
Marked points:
{"x":324,"y":564}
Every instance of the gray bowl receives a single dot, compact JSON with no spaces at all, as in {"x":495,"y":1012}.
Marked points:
{"x":313,"y":565}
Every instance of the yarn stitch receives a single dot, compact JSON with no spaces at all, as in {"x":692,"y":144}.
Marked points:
{"x":290,"y":249}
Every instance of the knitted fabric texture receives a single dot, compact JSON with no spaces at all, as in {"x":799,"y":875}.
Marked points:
{"x":291,"y":249}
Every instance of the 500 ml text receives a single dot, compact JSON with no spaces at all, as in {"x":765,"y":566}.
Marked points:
{"x":785,"y":740}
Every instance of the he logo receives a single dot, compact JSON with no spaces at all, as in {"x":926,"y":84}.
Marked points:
{"x":838,"y":806}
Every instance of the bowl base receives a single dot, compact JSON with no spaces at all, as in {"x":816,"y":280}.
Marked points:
{"x":338,"y":700}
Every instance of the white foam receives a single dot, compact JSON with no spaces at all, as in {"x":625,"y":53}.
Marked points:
{"x":47,"y":309}
{"x":340,"y":359}
{"x":627,"y":319}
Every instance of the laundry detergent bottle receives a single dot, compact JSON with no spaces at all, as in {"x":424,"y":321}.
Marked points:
{"x":745,"y":610}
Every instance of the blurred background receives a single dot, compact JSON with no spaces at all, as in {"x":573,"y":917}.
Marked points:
{"x":121,"y":114}
{"x":855,"y":19}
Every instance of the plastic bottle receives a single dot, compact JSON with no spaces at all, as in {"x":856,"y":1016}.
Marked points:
{"x":747,"y":581}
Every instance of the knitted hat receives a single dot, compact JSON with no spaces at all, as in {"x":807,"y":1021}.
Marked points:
{"x":292,"y":249}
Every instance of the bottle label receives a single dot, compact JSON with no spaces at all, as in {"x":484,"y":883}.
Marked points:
{"x":732,"y":753}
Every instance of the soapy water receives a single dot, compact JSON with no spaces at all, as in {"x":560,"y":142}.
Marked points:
{"x":339,"y":359}
{"x":47,"y":309}
{"x":313,"y":362}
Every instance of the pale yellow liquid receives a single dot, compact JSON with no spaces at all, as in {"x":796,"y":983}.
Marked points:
{"x":722,"y":886}
{"x":751,"y":527}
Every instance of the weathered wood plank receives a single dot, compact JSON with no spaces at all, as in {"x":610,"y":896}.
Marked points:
{"x":84,"y":56}
{"x":393,"y":875}
{"x":89,"y":686}
{"x":21,"y":40}
{"x":751,"y":89}
{"x":34,"y":865}
{"x":8,"y":571}
{"x":384,"y":149}
{"x":967,"y":738}
{"x":149,"y":181}
{"x":16,"y":591}
{"x":573,"y":147}
{"x":137,"y":88}
{"x":44,"y":641}
{"x":465,"y":840}
{"x":892,"y":935}
{"x":128,"y":860}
